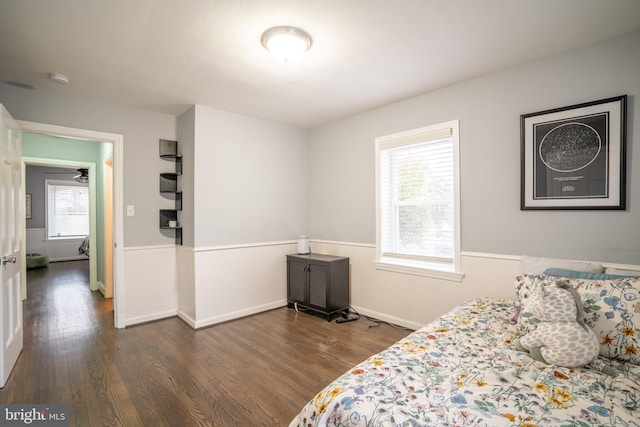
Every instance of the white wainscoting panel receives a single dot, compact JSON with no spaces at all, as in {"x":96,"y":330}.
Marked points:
{"x":186,"y":285}
{"x":56,"y":250}
{"x":414,"y":301}
{"x":240,"y":280}
{"x":205,"y":286}
{"x":150,"y":287}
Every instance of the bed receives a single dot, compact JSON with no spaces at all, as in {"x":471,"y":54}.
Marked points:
{"x":463,"y":368}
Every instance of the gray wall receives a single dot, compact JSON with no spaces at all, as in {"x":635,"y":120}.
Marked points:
{"x":186,"y":145}
{"x":250,"y":174}
{"x":35,"y":177}
{"x":489,"y":108}
{"x":254,"y":188}
{"x":250,"y":179}
{"x":141,"y":131}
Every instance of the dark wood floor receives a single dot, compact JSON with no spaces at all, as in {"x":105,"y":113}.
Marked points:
{"x":255,"y":371}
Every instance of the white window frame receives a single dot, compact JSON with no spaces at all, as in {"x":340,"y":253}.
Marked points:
{"x":405,"y":263}
{"x":49,"y":182}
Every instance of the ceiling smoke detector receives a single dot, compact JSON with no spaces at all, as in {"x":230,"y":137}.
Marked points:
{"x":59,"y":78}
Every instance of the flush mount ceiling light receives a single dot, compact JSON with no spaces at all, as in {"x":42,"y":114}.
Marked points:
{"x":286,"y":43}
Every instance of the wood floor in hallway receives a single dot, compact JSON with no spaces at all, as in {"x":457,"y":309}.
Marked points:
{"x":255,"y":371}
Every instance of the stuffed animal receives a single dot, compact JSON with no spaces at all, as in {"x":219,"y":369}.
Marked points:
{"x":561,"y":338}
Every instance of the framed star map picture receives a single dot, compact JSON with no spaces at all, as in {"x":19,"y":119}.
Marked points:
{"x":574,"y":157}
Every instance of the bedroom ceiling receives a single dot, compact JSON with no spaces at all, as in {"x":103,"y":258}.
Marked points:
{"x":165,"y":55}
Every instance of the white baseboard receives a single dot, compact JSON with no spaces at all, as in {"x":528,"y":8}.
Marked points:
{"x":69,"y":258}
{"x":233,"y":315}
{"x":391,"y":319}
{"x":150,"y":317}
{"x":101,"y":288}
{"x":187,"y":319}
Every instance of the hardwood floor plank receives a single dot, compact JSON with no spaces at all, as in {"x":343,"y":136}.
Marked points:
{"x":255,"y":371}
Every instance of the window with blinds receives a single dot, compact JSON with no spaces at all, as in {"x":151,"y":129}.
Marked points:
{"x":67,"y":209}
{"x":417,"y":198}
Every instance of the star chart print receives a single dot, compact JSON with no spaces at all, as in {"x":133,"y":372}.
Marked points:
{"x":572,"y":158}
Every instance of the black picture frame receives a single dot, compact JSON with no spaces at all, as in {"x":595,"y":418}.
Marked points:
{"x":574,"y":157}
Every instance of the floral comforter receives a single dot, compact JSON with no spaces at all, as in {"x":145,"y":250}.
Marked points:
{"x":462,"y":369}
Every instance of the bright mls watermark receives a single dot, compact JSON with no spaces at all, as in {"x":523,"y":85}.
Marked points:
{"x":34,"y":415}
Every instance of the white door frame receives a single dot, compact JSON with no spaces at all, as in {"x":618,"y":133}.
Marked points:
{"x":118,"y":239}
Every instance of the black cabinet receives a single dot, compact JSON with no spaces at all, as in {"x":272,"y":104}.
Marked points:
{"x":169,"y":188}
{"x":319,"y":283}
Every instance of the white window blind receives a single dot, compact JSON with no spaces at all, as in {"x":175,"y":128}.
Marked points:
{"x":417,"y":201}
{"x":418,"y":222}
{"x":67,"y":209}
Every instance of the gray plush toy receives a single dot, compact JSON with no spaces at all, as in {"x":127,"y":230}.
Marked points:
{"x":561,"y":338}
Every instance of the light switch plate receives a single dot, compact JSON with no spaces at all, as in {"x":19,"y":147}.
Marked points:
{"x":131,"y":210}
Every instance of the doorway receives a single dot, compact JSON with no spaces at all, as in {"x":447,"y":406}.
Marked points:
{"x":115,"y":166}
{"x":39,"y":174}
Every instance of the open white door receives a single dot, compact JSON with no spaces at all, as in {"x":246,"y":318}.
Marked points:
{"x":12,"y":208}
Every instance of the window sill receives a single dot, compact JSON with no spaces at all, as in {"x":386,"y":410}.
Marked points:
{"x":63,"y":238}
{"x":435,"y":271}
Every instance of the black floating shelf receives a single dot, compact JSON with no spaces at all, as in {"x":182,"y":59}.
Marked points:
{"x":169,"y":148}
{"x":174,"y":195}
{"x":169,"y":187}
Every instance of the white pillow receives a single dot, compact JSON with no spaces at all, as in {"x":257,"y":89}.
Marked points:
{"x":537,"y":265}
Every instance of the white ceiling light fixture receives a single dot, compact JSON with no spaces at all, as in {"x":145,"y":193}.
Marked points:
{"x":286,"y":43}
